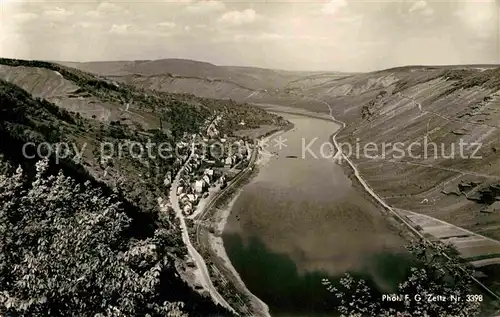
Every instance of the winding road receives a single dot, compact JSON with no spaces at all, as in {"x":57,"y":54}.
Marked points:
{"x":369,"y":190}
{"x":204,"y":276}
{"x":216,"y":197}
{"x":211,"y":204}
{"x":202,"y":271}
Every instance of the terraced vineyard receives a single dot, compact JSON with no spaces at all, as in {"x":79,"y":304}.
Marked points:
{"x":45,"y":103}
{"x":435,"y":132}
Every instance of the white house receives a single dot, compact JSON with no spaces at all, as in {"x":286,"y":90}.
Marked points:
{"x":198,"y":186}
{"x":180,"y":190}
{"x":228,"y":161}
{"x":191,"y":197}
{"x":206,"y":179}
{"x":212,"y":131}
{"x":184,"y":198}
{"x":209,"y":172}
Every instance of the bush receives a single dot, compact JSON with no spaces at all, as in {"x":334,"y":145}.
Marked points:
{"x":74,"y":259}
{"x":435,"y":275}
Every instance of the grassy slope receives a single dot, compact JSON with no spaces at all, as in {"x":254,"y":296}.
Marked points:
{"x":248,"y":84}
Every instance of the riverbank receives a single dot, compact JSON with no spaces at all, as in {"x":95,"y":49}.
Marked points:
{"x":223,"y":213}
{"x":262,"y":159}
{"x":220,"y":217}
{"x":405,"y":228}
{"x":213,"y":244}
{"x":300,"y":221}
{"x":409,"y":229}
{"x":256,"y":305}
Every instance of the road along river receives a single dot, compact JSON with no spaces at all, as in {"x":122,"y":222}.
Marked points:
{"x":300,"y":219}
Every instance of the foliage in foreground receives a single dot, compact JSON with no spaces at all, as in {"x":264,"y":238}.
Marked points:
{"x":64,"y":252}
{"x":435,"y":275}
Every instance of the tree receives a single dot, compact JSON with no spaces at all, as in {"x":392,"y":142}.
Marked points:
{"x":64,"y":251}
{"x":435,"y":274}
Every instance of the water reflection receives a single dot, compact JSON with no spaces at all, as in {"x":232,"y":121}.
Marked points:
{"x":276,"y":279}
{"x":300,"y":220}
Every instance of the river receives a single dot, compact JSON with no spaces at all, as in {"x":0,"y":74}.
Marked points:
{"x":300,"y":220}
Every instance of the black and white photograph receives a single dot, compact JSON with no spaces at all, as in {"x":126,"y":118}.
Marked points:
{"x":284,"y":158}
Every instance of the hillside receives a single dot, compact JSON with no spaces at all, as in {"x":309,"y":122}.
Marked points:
{"x":111,"y":112}
{"x":75,"y":113}
{"x":393,"y":109}
{"x":24,"y":119}
{"x":445,"y":105}
{"x":203,"y":79}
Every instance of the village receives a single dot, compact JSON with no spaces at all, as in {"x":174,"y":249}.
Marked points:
{"x":212,"y":163}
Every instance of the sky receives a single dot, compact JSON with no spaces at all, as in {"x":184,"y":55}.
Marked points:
{"x":336,"y":35}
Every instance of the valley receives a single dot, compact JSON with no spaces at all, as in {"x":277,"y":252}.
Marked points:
{"x":432,"y":107}
{"x":213,"y":158}
{"x":406,"y":104}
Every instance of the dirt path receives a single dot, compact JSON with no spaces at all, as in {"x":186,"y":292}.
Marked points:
{"x":217,"y":245}
{"x":201,"y":272}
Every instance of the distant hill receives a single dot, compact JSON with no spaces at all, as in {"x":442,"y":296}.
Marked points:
{"x":200,"y":78}
{"x":111,"y":111}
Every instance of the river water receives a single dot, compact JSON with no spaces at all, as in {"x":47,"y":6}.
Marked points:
{"x":300,"y":220}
